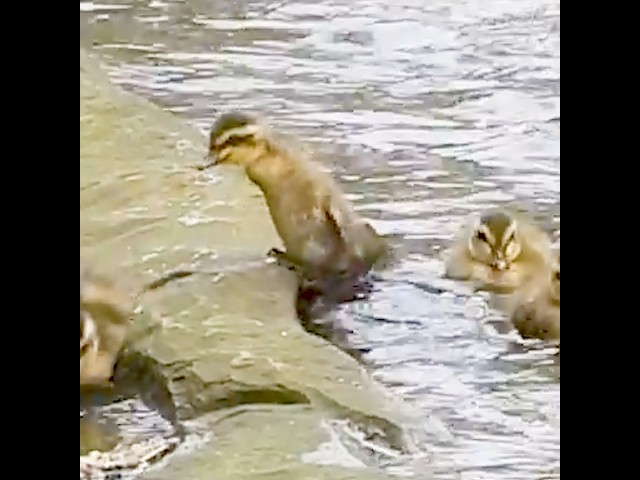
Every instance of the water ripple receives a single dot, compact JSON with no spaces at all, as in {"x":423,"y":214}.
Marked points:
{"x":427,"y":112}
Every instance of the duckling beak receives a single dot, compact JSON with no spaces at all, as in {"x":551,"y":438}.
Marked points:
{"x":500,"y":264}
{"x":209,"y":162}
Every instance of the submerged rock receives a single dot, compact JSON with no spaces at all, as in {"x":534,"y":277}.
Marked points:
{"x":268,"y":443}
{"x":224,"y":339}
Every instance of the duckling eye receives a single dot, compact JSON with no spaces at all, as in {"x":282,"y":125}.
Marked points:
{"x":511,"y":238}
{"x":557,"y":275}
{"x":234,"y":141}
{"x":482,"y":237}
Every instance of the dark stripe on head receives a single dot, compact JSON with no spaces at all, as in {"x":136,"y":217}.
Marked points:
{"x":231,"y":129}
{"x":500,"y":224}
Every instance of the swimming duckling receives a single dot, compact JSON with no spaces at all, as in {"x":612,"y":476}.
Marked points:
{"x":535,"y":308}
{"x":105,"y":317}
{"x":321,"y":232}
{"x":498,"y":252}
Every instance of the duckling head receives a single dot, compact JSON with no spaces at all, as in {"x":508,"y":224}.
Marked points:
{"x":89,"y":346}
{"x":237,"y":138}
{"x":495,"y":240}
{"x":105,"y":315}
{"x":101,"y":300}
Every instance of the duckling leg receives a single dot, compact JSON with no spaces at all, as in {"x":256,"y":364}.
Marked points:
{"x":284,"y":260}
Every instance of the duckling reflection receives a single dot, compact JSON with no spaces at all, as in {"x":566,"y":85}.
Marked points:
{"x":498,"y":252}
{"x":105,"y":317}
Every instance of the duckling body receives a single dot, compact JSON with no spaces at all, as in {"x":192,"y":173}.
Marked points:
{"x":105,"y":316}
{"x":319,"y":228}
{"x":498,"y":252}
{"x":535,"y":308}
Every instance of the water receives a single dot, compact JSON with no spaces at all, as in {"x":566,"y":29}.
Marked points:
{"x":427,"y":112}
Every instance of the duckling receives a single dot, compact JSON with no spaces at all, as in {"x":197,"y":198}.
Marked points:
{"x":498,"y":252}
{"x":321,"y":232}
{"x":535,"y":308}
{"x":105,"y":316}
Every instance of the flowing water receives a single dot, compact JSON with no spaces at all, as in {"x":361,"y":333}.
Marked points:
{"x":427,"y":112}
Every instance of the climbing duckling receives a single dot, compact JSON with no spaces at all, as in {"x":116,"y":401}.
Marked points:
{"x":535,"y":308}
{"x":105,"y":318}
{"x":319,"y":228}
{"x":498,"y":252}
